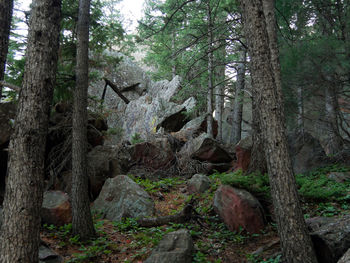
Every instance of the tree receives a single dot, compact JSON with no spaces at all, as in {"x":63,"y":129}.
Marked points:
{"x":6,"y":7}
{"x":259,"y":22}
{"x":82,"y":224}
{"x":24,"y":186}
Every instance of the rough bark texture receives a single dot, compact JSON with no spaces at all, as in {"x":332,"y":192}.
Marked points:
{"x":295,"y":241}
{"x":6,"y":7}
{"x":24,"y":189}
{"x":82,"y":224}
{"x":331,"y":106}
{"x":238,"y":104}
{"x":210,"y":74}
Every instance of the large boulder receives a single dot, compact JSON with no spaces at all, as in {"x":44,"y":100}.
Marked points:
{"x":345,"y":258}
{"x":153,"y":155}
{"x":243,"y":151}
{"x":175,"y":247}
{"x":332,"y":240}
{"x":56,"y":208}
{"x":198,"y":184}
{"x":194,"y":128}
{"x":238,"y":208}
{"x":204,"y":148}
{"x":121,"y":197}
{"x":306,"y":152}
{"x":106,"y":162}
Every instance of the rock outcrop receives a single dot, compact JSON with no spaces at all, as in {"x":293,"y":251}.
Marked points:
{"x":238,"y":209}
{"x":121,"y":197}
{"x":56,"y":208}
{"x":175,"y":247}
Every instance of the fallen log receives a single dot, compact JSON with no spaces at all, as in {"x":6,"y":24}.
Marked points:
{"x":116,"y":90}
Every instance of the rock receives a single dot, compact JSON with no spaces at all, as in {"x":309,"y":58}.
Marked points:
{"x":56,"y":209}
{"x":175,"y":247}
{"x":339,"y":177}
{"x":47,"y":255}
{"x":243,"y":151}
{"x":194,"y":128}
{"x":106,"y":162}
{"x":7,"y":117}
{"x":332,"y":240}
{"x":345,"y":258}
{"x":306,"y":153}
{"x":121,"y":197}
{"x":0,"y":217}
{"x":154,"y":155}
{"x":198,"y":184}
{"x":203,"y":148}
{"x":238,"y":208}
{"x":315,"y":223}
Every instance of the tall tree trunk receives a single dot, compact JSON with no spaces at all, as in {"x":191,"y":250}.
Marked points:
{"x":220,"y":88}
{"x":24,"y":187}
{"x":236,"y":129}
{"x":210,"y":74}
{"x":295,"y":241}
{"x":82,"y":224}
{"x":6,"y":7}
{"x":335,"y":143}
{"x":300,"y":114}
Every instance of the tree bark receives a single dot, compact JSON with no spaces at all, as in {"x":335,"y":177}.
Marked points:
{"x":210,"y":74}
{"x":260,"y":29}
{"x":335,"y":143}
{"x":6,"y":7}
{"x":82,"y":224}
{"x":236,"y":129}
{"x":24,"y":187}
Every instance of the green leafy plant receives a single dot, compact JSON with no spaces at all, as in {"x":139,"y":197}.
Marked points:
{"x":136,"y":138}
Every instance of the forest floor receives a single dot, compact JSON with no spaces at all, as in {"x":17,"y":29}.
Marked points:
{"x":214,"y":243}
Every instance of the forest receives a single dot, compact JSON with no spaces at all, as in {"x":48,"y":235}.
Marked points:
{"x":216,"y":131}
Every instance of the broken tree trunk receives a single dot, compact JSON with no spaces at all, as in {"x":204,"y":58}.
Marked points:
{"x":116,"y":90}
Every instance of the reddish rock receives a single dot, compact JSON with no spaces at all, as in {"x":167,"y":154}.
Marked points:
{"x":238,"y":208}
{"x":56,"y":209}
{"x":243,"y":158}
{"x":153,"y":155}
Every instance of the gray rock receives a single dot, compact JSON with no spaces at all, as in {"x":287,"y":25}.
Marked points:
{"x":345,"y":258}
{"x":198,"y":183}
{"x":175,"y":247}
{"x":47,"y":255}
{"x":306,"y":152}
{"x":332,"y":240}
{"x":0,"y":217}
{"x":121,"y":197}
{"x":339,"y":177}
{"x":56,"y":208}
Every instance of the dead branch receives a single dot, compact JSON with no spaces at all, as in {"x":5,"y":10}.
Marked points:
{"x":116,"y":90}
{"x":131,"y":87}
{"x":10,"y":86}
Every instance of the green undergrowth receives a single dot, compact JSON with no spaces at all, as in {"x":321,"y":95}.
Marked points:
{"x":152,"y":186}
{"x":312,"y":186}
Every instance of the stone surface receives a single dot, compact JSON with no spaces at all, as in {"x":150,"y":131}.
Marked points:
{"x":198,"y":184}
{"x":203,"y":148}
{"x":0,"y":217}
{"x":238,"y":208}
{"x":121,"y":197}
{"x":306,"y":153}
{"x":7,"y":116}
{"x":154,"y":155}
{"x":175,"y":247}
{"x":345,"y":258}
{"x":106,"y":162}
{"x":47,"y":255}
{"x":315,"y":223}
{"x":56,"y":208}
{"x":339,"y":177}
{"x":332,"y":240}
